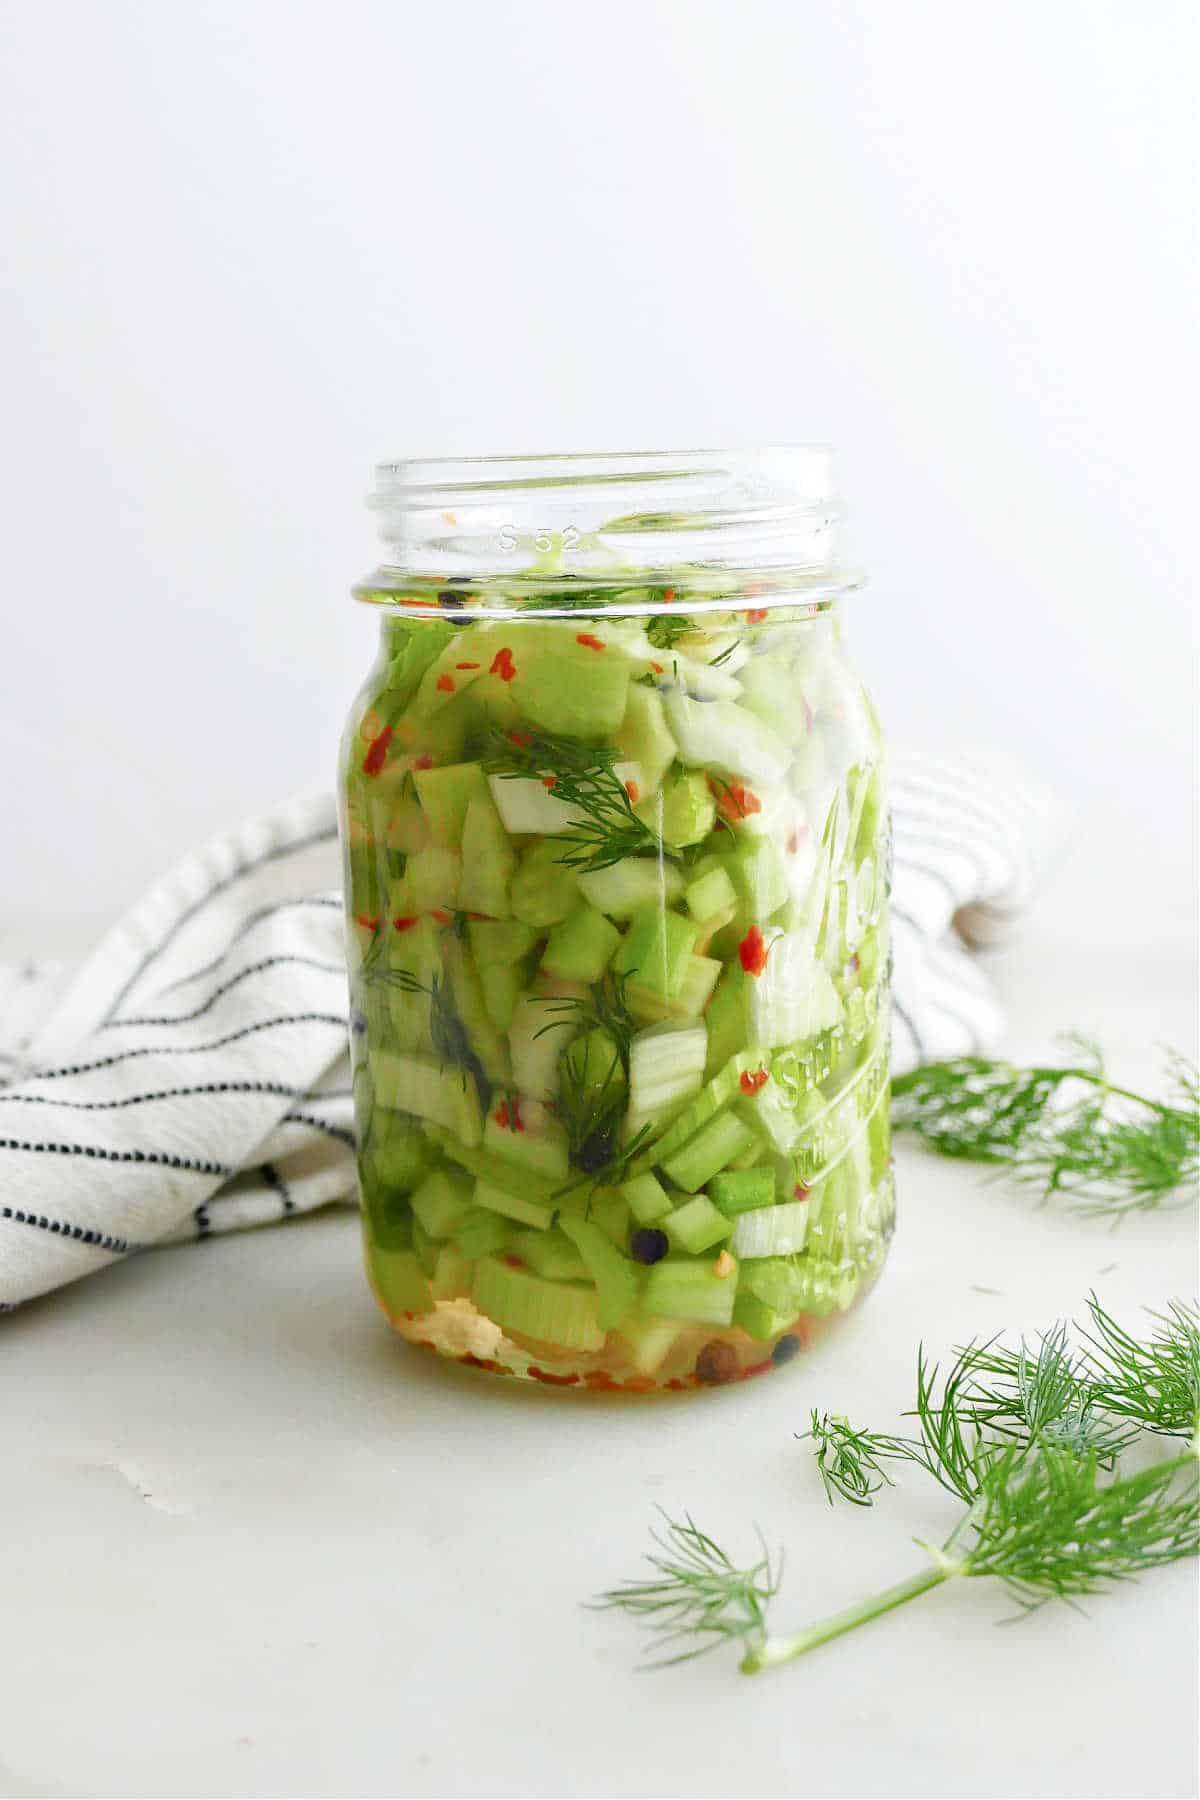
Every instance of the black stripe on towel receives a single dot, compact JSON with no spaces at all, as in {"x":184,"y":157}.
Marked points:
{"x":274,"y":1179}
{"x":247,"y":926}
{"x":334,"y":1131}
{"x":80,"y":1234}
{"x":107,"y":1062}
{"x":268,"y":962}
{"x":161,"y":1158}
{"x":280,"y":852}
{"x":284,"y":1090}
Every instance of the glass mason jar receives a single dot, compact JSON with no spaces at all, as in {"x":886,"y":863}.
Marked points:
{"x":616,"y":870}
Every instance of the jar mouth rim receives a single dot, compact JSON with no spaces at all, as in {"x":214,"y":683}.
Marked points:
{"x":617,"y":519}
{"x":807,"y":468}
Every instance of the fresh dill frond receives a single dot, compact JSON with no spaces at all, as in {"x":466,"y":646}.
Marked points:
{"x":583,"y":776}
{"x":1049,"y":1527}
{"x":1029,"y":1458}
{"x":604,"y":1007}
{"x":699,"y":1597}
{"x":1043,"y":1395}
{"x":664,"y":630}
{"x":594,"y":1080}
{"x":1066,"y":1130}
{"x":1153,"y":1383}
{"x":450,"y":1037}
{"x":591,"y":1103}
{"x":850,"y":1461}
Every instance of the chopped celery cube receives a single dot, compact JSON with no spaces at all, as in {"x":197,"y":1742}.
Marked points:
{"x":433,"y":876}
{"x":550,"y":1254}
{"x":445,"y":795}
{"x":482,"y":1233}
{"x":696,"y":1226}
{"x":452,"y":1274}
{"x":647,"y":1199}
{"x":741,"y":1190}
{"x":680,"y":1288}
{"x":758,"y":1320}
{"x":711,"y":896}
{"x":714,"y":1146}
{"x":580,"y":948}
{"x":553,"y":1312}
{"x":656,"y":950}
{"x":613,"y":1274}
{"x":399,"y":1279}
{"x":441,"y":1201}
{"x":513,"y":1206}
{"x":610,"y":1211}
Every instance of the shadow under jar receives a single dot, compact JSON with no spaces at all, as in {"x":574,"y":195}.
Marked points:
{"x":616,"y":866}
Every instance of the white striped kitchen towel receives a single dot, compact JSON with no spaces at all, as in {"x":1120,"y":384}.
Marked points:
{"x":193,"y":1076}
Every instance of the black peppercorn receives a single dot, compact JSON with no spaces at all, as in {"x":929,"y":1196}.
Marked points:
{"x":595,"y":1151}
{"x":648,"y":1245}
{"x":785,"y":1349}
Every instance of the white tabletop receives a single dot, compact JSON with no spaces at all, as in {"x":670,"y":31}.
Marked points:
{"x":254,"y":1546}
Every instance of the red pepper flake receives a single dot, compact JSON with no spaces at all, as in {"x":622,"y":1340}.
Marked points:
{"x":753,"y":951}
{"x":632,"y":789}
{"x":549,"y":781}
{"x":468,"y":665}
{"x":588,"y":640}
{"x":808,"y":713}
{"x":754,"y":1369}
{"x":376,"y":756}
{"x":637,"y":1384}
{"x":502,"y":665}
{"x":445,"y":684}
{"x":405,"y":923}
{"x":734,"y":800}
{"x":521,"y":739}
{"x":755,"y":615}
{"x":441,"y":915}
{"x":424,"y":761}
{"x":657,"y":667}
{"x":551,"y":1380}
{"x":800,"y":1192}
{"x":599,"y":1378}
{"x":668,"y":596}
{"x":793,"y":844}
{"x":369,"y":922}
{"x":750,"y":1083}
{"x":514,"y":1262}
{"x":518,"y":1123}
{"x":855,"y":965}
{"x":501,"y":1115}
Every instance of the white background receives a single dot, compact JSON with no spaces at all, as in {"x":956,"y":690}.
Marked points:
{"x":251,"y":249}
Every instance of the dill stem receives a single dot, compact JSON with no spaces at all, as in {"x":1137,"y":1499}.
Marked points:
{"x":1110,"y":1087}
{"x":780,"y":1650}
